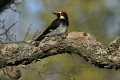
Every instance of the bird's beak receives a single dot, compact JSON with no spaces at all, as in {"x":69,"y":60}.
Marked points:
{"x":56,"y":14}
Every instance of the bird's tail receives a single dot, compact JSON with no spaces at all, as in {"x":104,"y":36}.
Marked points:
{"x":40,"y":38}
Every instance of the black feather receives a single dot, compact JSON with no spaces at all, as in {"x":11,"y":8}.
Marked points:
{"x":53,"y":26}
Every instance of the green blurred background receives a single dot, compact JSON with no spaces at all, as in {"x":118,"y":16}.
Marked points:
{"x":98,"y":17}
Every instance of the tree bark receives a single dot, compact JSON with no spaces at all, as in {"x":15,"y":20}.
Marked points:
{"x":81,"y":43}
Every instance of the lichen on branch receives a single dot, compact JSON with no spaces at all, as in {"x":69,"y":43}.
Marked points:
{"x":81,"y":43}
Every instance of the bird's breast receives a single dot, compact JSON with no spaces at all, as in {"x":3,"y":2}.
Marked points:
{"x":62,"y":28}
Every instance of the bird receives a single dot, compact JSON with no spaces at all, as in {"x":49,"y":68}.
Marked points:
{"x":58,"y":27}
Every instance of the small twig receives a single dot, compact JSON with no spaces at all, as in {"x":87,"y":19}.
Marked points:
{"x":6,"y":31}
{"x":14,"y":9}
{"x":12,"y":36}
{"x":36,"y":34}
{"x":27,"y":32}
{"x":18,"y":3}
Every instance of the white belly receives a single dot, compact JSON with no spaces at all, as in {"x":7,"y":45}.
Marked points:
{"x":58,"y":31}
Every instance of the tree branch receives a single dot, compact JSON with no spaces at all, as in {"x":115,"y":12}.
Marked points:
{"x":4,"y":4}
{"x":80,"y":43}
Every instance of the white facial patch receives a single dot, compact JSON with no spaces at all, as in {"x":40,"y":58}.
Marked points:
{"x":60,"y":12}
{"x":61,"y":16}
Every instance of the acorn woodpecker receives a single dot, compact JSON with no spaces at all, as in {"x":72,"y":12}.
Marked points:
{"x":58,"y":26}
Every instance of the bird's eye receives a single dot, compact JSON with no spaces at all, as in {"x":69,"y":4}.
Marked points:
{"x":61,"y":13}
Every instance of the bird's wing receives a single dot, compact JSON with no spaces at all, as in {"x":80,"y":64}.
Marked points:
{"x":53,"y":26}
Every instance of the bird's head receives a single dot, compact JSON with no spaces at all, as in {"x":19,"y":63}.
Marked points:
{"x":61,"y":15}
